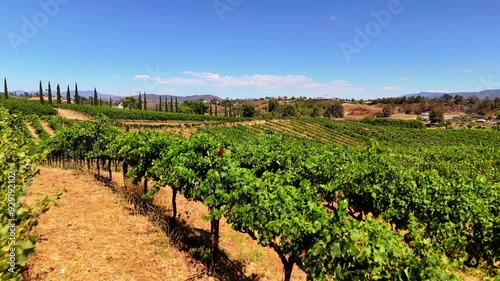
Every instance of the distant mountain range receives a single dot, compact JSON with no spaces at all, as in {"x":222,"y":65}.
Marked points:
{"x":149,"y":97}
{"x":482,"y":94}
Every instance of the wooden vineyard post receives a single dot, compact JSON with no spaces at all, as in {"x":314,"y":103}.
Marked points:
{"x":109,"y":170}
{"x":214,"y":233}
{"x":174,"y":208}
{"x":125,"y":164}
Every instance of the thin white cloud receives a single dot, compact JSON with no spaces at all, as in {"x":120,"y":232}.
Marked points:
{"x":467,"y":70}
{"x":438,"y":91}
{"x":142,"y":77}
{"x":405,"y":78}
{"x":116,"y":76}
{"x":262,"y":81}
{"x":334,"y":87}
{"x":391,"y":88}
{"x":335,"y":84}
{"x":171,"y":81}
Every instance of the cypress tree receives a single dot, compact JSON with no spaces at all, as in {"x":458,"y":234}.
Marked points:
{"x":110,"y":103}
{"x":171,"y":104}
{"x":210,"y":109}
{"x":58,"y":94}
{"x":68,"y":96}
{"x":225,"y":109}
{"x":95,"y":97}
{"x":230,"y":111}
{"x":159,"y":105}
{"x":91,"y":101}
{"x":100,"y":102}
{"x":50,"y":94}
{"x":176,"y":105}
{"x":216,"y":108}
{"x":40,"y":92}
{"x":145,"y":102}
{"x":140,"y":102}
{"x":77,"y":97}
{"x":5,"y":91}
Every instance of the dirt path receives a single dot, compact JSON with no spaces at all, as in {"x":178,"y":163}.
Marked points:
{"x":88,"y":234}
{"x":47,"y":128}
{"x":70,"y":114}
{"x":32,"y":130}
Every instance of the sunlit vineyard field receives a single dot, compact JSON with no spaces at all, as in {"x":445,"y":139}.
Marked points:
{"x":342,"y":200}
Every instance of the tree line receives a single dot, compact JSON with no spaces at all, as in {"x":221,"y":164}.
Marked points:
{"x":473,"y":104}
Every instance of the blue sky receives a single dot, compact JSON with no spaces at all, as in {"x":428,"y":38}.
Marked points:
{"x":252,"y":48}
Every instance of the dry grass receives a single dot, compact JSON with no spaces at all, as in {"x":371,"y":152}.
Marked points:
{"x":32,"y":130}
{"x":47,"y":128}
{"x":88,"y":235}
{"x":71,"y":114}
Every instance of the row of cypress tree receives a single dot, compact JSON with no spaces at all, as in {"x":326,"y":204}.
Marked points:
{"x":5,"y":90}
{"x":76,"y":100}
{"x":162,"y":106}
{"x":95,"y":101}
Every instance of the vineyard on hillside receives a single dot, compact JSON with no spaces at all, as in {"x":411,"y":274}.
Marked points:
{"x":340,"y":199}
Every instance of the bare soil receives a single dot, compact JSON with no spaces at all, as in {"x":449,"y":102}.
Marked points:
{"x":359,"y":111}
{"x":32,"y":130}
{"x":88,"y":234}
{"x":71,"y":114}
{"x":47,"y":128}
